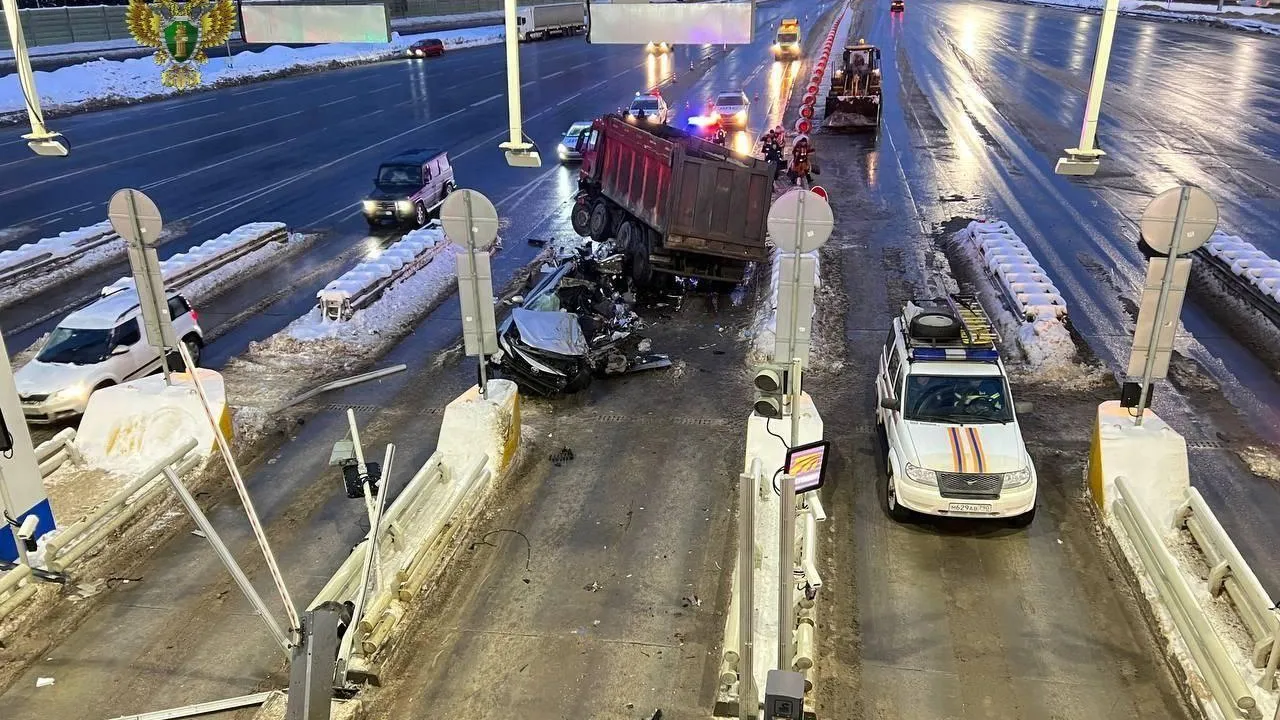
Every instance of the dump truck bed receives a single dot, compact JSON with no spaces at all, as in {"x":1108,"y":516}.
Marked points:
{"x":699,"y":196}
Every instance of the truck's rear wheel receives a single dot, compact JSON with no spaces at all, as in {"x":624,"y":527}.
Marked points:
{"x":581,"y":218}
{"x":638,"y":255}
{"x":600,"y":221}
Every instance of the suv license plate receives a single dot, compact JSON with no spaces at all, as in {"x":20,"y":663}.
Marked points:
{"x":969,"y":507}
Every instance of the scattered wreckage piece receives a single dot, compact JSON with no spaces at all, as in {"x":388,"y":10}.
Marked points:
{"x":576,"y":323}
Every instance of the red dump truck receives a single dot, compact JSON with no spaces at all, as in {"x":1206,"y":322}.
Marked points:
{"x":676,"y":204}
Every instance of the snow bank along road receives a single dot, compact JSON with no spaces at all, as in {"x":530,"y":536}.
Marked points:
{"x":183,"y":622}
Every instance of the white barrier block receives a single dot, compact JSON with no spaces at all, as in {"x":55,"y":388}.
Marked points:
{"x":490,"y":426}
{"x":1153,"y":457}
{"x":128,"y":427}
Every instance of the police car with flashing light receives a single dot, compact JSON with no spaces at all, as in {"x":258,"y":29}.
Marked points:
{"x":651,"y":107}
{"x":949,"y":420}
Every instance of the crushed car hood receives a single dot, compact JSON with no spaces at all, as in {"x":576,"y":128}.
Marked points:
{"x":985,"y":448}
{"x":554,"y":332}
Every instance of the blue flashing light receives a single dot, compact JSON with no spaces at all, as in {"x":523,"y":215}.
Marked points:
{"x":975,"y":355}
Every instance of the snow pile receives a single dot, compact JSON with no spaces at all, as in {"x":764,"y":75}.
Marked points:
{"x":139,"y":78}
{"x":1246,"y":261}
{"x":236,"y":271}
{"x":204,"y":253}
{"x":408,"y":250}
{"x":765,"y":328}
{"x":1264,"y":20}
{"x":65,"y":245}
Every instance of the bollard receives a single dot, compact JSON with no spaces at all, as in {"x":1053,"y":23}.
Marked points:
{"x":804,"y":648}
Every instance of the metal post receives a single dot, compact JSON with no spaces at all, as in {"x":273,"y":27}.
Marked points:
{"x":228,"y":560}
{"x":348,"y":639}
{"x":747,"y":697}
{"x":161,"y":312}
{"x":291,"y":610}
{"x":512,"y":42}
{"x":1083,"y":159}
{"x":1149,"y":366}
{"x":26,"y":78}
{"x":795,"y":283}
{"x":786,"y":570}
{"x":363,"y":471}
{"x":471,"y":262}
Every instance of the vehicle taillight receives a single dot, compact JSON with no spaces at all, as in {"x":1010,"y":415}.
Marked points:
{"x":194,"y":315}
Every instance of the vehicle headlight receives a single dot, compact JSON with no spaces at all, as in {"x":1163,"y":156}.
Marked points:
{"x":1017,"y":478}
{"x":776,"y":47}
{"x":562,"y":151}
{"x":370,"y":206}
{"x":79,"y":391}
{"x":922,"y":476}
{"x":653,"y":118}
{"x":404,"y":207}
{"x":741,"y":116}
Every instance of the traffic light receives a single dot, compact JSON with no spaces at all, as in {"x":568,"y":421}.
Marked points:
{"x":771,"y":383}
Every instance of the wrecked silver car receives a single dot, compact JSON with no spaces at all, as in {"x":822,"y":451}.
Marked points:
{"x":576,"y":323}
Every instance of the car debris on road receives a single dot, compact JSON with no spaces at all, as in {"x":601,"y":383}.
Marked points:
{"x":575,"y":323}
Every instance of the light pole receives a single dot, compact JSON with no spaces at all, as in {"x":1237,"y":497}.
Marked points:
{"x":41,"y":140}
{"x":519,"y":152}
{"x":1085,"y":158}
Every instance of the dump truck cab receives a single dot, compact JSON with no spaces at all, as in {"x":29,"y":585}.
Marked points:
{"x":854,"y":98}
{"x":786,"y":46}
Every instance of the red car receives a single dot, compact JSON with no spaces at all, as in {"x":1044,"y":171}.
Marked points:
{"x":897,"y":6}
{"x":426,"y":48}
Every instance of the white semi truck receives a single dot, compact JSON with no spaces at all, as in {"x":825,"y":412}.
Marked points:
{"x":537,"y":22}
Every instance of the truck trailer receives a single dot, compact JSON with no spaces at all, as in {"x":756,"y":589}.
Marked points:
{"x":675,"y":204}
{"x":537,"y":22}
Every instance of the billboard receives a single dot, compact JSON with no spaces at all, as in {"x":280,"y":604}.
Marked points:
{"x":299,"y":23}
{"x":639,"y":23}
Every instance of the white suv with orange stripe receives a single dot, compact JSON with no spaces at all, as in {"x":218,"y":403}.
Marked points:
{"x":954,"y":447}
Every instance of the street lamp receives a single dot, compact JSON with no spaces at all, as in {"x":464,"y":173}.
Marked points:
{"x":41,"y":140}
{"x":520,"y":153}
{"x":1085,"y":158}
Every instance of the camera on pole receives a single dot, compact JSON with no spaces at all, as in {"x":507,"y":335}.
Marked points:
{"x":772,"y":383}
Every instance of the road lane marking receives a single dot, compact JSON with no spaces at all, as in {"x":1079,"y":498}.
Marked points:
{"x":81,"y":146}
{"x":531,"y":82}
{"x":349,"y":214}
{"x":233,"y":158}
{"x":554,"y":74}
{"x":568,"y":99}
{"x":491,"y":98}
{"x":335,"y":102}
{"x":252,"y":195}
{"x":166,"y":149}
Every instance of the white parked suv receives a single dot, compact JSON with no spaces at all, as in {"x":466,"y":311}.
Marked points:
{"x":95,"y":347}
{"x":954,"y":446}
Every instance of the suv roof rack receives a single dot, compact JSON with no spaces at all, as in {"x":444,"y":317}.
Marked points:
{"x":973,"y":336}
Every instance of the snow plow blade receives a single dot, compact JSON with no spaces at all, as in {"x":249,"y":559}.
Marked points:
{"x":852,"y":112}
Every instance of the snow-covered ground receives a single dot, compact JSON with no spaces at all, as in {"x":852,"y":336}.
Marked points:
{"x":1257,"y":19}
{"x":135,"y":79}
{"x":312,"y":351}
{"x":64,"y":245}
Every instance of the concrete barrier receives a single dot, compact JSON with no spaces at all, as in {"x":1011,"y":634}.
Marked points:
{"x":1153,"y":457}
{"x":475,"y":426}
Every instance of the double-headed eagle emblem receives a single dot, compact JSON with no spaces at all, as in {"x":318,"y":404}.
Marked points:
{"x":180,"y":32}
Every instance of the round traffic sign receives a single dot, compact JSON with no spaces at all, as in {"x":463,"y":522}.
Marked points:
{"x":1200,"y":219}
{"x":820,"y":192}
{"x":135,"y":217}
{"x":469,"y":219}
{"x":800,"y":221}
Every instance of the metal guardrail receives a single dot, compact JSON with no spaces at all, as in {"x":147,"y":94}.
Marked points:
{"x":1246,"y":290}
{"x":74,"y":541}
{"x":47,"y":262}
{"x":1228,"y":689}
{"x":1230,"y":574}
{"x":179,"y":280}
{"x":1015,"y":273}
{"x":339,"y":306}
{"x":52,"y":453}
{"x":420,"y":526}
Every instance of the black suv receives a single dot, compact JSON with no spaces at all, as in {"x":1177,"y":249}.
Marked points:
{"x":409,"y":187}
